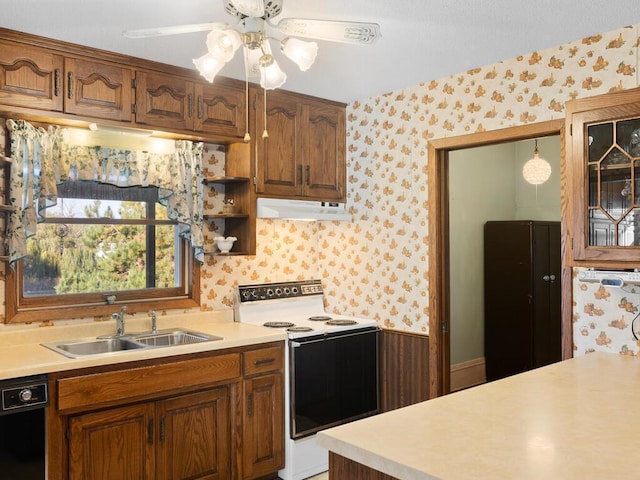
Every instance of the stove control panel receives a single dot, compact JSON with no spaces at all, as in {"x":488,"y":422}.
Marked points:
{"x":274,"y":291}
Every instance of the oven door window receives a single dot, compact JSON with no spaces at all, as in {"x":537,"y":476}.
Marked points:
{"x":334,"y":380}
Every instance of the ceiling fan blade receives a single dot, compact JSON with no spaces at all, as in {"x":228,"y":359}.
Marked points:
{"x":249,"y":8}
{"x":334,"y":31}
{"x":173,"y":30}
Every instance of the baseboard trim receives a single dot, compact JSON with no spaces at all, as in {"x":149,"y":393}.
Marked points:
{"x":468,"y":374}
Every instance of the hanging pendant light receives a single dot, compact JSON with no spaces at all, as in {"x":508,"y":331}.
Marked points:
{"x":537,"y":170}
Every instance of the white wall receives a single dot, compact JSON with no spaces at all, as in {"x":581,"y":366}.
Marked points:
{"x":486,"y":184}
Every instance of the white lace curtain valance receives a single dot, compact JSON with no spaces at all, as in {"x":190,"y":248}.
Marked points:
{"x":42,"y":161}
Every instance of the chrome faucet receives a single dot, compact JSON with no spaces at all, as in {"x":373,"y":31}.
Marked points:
{"x":154,"y":321}
{"x":119,"y":318}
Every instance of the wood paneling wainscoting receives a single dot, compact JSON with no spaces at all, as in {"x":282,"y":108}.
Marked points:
{"x":341,"y":468}
{"x":404,"y":369}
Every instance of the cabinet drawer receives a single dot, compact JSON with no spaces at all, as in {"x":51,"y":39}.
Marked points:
{"x":75,"y":393}
{"x":263,"y":360}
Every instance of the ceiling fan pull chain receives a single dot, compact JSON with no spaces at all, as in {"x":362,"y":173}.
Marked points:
{"x":247,"y":137}
{"x":265,"y":134}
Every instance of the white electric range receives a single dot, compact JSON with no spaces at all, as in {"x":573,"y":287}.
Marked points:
{"x":331,"y":366}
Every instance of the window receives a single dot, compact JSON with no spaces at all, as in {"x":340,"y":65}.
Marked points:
{"x":99,"y":245}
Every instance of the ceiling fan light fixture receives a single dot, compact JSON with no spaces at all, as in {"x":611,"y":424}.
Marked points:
{"x":271,"y":75}
{"x":222,"y":44}
{"x":208,"y":65}
{"x":248,"y":31}
{"x":300,"y":52}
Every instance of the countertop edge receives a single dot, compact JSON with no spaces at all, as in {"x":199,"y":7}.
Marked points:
{"x":32,"y":358}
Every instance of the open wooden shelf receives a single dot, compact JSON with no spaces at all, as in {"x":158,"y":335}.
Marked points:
{"x":225,"y":180}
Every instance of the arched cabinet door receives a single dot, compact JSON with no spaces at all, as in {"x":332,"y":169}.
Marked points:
{"x":30,"y":77}
{"x":304,"y":154}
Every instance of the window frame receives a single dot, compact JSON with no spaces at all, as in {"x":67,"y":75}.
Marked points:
{"x":19,"y":309}
{"x":28,"y":309}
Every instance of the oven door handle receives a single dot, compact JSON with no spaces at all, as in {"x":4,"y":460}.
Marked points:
{"x":295,"y":344}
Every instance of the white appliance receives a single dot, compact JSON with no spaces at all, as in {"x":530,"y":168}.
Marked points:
{"x":331,"y":366}
{"x":301,"y":209}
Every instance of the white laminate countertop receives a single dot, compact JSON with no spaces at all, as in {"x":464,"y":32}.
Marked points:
{"x":21,"y":352}
{"x":573,"y":420}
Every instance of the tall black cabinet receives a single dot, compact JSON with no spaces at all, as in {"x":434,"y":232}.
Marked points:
{"x":521,"y":296}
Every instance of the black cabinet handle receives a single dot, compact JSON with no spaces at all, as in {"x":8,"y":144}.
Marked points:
{"x":308,"y":172}
{"x":190,"y":106}
{"x":263,"y":361}
{"x":250,"y":405}
{"x":200,"y":105}
{"x":163,"y":429}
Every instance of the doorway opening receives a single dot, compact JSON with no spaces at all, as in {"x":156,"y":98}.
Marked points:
{"x":496,"y":224}
{"x":439,"y":234}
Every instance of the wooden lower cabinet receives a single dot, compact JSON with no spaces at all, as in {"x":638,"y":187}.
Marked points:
{"x":194,"y":436}
{"x":186,"y":437}
{"x":199,"y":417}
{"x":115,"y":443}
{"x":263,"y":433}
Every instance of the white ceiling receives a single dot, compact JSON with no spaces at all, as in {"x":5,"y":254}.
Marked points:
{"x":422,"y":40}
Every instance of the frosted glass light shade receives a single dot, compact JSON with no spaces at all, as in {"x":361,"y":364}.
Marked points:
{"x":300,"y":52}
{"x":208,"y":66}
{"x":271,"y":76}
{"x":537,"y":170}
{"x":222,"y":44}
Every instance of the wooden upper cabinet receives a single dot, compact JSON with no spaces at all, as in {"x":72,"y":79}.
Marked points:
{"x":279,"y":156}
{"x":603,"y":173}
{"x":30,"y":77}
{"x":304,"y":154}
{"x":96,"y":89}
{"x":325,"y":168}
{"x":164,"y":101}
{"x":177,"y":103}
{"x":219,"y":110}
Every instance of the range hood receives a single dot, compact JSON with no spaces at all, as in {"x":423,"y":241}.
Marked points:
{"x":301,"y":209}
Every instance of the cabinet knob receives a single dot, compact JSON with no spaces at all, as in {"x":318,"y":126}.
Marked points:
{"x":546,"y":278}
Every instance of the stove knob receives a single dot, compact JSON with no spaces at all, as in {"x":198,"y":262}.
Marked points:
{"x":294,"y":290}
{"x":25,"y":395}
{"x":287,"y":291}
{"x":278,"y":291}
{"x":254,"y":294}
{"x":270,"y":292}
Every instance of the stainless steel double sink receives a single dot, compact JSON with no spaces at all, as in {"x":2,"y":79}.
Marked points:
{"x":106,"y":345}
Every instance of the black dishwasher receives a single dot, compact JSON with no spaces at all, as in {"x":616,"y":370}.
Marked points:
{"x":22,"y":428}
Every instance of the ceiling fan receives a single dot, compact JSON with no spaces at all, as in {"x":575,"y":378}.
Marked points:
{"x":253,"y":19}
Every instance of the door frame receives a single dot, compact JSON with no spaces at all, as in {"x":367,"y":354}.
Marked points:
{"x":438,"y":243}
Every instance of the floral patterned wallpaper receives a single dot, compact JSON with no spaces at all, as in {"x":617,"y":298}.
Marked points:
{"x":603,"y":318}
{"x":377,"y":265}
